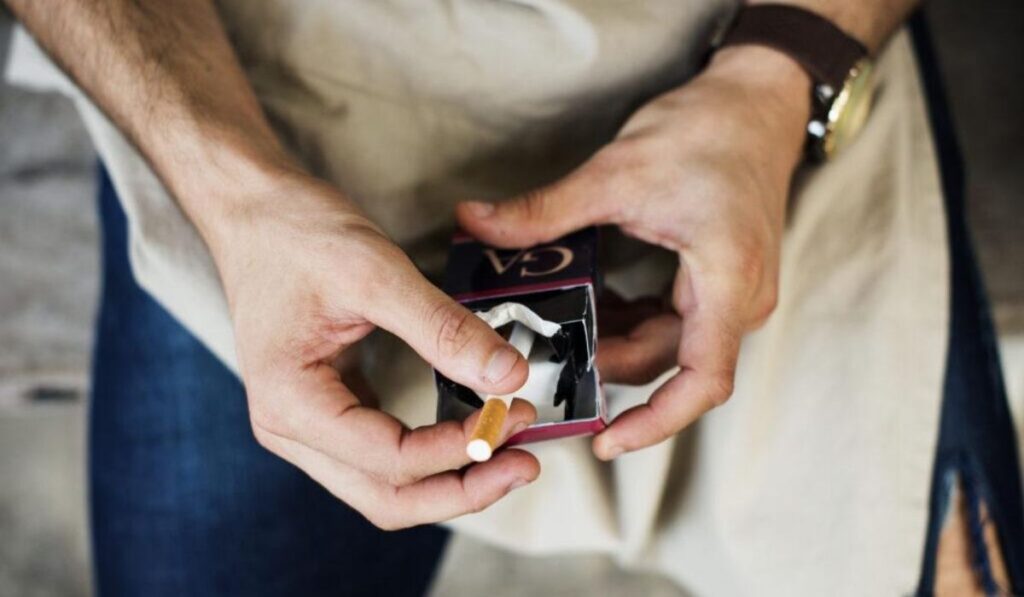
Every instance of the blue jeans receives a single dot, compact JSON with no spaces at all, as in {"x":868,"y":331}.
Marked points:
{"x":977,"y":445}
{"x":183,"y":500}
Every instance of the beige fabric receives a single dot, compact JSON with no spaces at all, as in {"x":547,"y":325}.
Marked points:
{"x":813,"y":479}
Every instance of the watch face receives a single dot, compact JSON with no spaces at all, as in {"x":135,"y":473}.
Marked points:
{"x":850,"y":109}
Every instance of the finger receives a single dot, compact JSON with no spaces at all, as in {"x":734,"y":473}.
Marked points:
{"x":545,"y":214}
{"x":639,"y":357}
{"x":327,"y":418}
{"x":521,"y":414}
{"x":617,"y":317}
{"x":708,"y":350}
{"x":434,"y":499}
{"x":446,"y":334}
{"x":448,"y":495}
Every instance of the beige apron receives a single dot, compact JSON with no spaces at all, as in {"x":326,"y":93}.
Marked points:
{"x":813,"y":479}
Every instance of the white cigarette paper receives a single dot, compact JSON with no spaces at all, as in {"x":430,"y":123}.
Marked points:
{"x":526,"y":325}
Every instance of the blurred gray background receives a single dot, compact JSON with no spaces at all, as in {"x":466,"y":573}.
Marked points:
{"x":48,"y":289}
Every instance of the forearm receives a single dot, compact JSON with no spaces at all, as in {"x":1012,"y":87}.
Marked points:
{"x":166,"y":75}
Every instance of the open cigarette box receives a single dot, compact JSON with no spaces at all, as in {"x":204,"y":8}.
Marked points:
{"x":556,"y":282}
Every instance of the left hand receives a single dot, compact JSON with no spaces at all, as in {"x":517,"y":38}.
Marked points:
{"x":703,"y":171}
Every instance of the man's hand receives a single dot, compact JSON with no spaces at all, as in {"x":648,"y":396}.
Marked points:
{"x":307,"y":277}
{"x":702,"y":171}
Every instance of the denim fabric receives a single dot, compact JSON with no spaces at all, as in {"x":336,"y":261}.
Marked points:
{"x":977,"y":442}
{"x":183,"y":499}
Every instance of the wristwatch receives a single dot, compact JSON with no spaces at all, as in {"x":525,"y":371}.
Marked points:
{"x":838,"y":65}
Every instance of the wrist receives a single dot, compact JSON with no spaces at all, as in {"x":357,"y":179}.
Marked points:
{"x":220,"y":175}
{"x":250,"y":202}
{"x":779,"y":92}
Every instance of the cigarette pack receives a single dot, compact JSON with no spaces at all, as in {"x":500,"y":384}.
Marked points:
{"x":556,"y":282}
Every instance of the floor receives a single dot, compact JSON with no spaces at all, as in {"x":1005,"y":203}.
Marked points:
{"x":48,"y":274}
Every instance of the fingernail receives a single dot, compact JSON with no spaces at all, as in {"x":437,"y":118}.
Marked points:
{"x":614,"y":452}
{"x":518,"y":427}
{"x":480,"y":209}
{"x":517,"y":484}
{"x":501,"y":364}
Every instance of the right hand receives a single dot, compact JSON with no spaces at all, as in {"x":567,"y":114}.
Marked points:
{"x":307,"y":276}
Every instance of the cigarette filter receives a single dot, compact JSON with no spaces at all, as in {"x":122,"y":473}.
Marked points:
{"x":487,"y":431}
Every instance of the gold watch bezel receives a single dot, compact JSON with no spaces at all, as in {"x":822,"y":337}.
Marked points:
{"x":849,"y":110}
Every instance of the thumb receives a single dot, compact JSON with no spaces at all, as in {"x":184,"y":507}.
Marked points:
{"x":541,"y":215}
{"x":447,"y":335}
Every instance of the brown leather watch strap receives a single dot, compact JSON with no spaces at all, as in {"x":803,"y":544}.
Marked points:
{"x":824,"y":50}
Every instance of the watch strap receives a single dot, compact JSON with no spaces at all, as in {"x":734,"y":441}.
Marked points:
{"x":825,"y":51}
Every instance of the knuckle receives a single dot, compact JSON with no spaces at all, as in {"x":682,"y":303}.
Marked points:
{"x":397,"y":476}
{"x":262,"y":437}
{"x":749,"y":264}
{"x":660,"y":428}
{"x":266,"y":419}
{"x":742,"y":253}
{"x":721,"y":388}
{"x":611,"y":158}
{"x":454,"y":329}
{"x":476,"y":503}
{"x":384,"y":521}
{"x":384,"y":514}
{"x":532,"y":206}
{"x":628,"y":154}
{"x":659,"y":423}
{"x":402,"y":470}
{"x":623,"y":169}
{"x":771,"y":299}
{"x":766,"y":306}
